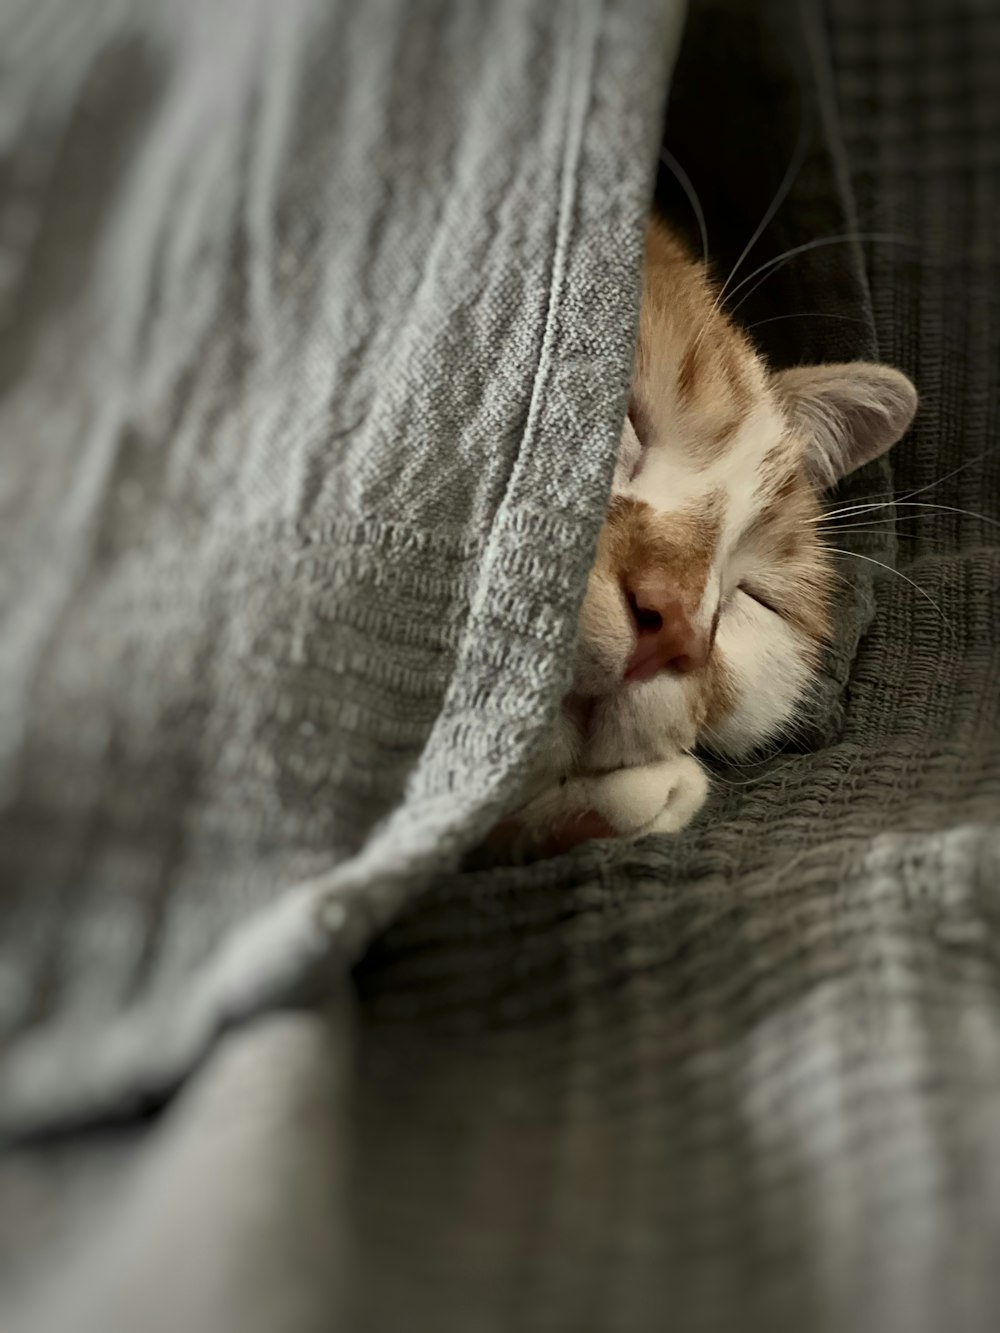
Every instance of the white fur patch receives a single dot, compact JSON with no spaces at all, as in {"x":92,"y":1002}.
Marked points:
{"x":769,"y":670}
{"x":650,"y":798}
{"x":686,"y":784}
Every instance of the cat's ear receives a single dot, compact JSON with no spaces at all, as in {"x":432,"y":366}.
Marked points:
{"x":848,"y":414}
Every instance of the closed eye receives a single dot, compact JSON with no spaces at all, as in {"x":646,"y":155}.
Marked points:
{"x":753,"y":592}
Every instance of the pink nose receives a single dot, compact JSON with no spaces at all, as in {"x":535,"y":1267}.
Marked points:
{"x":666,"y":639}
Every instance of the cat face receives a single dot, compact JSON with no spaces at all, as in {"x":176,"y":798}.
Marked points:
{"x":708,"y":604}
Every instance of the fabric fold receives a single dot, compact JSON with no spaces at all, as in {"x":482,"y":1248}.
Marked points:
{"x":329,"y":351}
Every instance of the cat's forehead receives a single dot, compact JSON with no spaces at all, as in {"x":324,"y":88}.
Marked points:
{"x":739,"y":473}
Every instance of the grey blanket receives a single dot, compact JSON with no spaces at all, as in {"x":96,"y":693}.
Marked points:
{"x":319,"y":334}
{"x":314,"y":343}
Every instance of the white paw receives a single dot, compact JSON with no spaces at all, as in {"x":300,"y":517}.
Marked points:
{"x":630,"y":797}
{"x":687,"y":795}
{"x":656,"y":798}
{"x":629,"y":802}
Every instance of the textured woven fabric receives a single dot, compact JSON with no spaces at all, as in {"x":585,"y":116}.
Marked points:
{"x":317,"y":342}
{"x":747,"y":1078}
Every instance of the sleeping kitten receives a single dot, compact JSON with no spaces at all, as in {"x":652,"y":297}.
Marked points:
{"x":708,"y":603}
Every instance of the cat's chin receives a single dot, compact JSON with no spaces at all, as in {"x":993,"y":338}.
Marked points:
{"x":599,"y":680}
{"x":639,"y":723}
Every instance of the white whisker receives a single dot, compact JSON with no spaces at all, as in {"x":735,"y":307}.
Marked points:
{"x":731,"y":762}
{"x":779,"y":261}
{"x":786,"y":183}
{"x":854,"y":555}
{"x":805,"y":314}
{"x":871,"y":527}
{"x":853,"y":510}
{"x":880,"y":495}
{"x":684,"y":180}
{"x":948,"y":475}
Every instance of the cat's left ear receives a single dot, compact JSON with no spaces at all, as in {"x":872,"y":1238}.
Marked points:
{"x":848,"y":413}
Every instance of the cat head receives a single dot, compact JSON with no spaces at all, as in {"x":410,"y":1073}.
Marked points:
{"x":709,"y":600}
